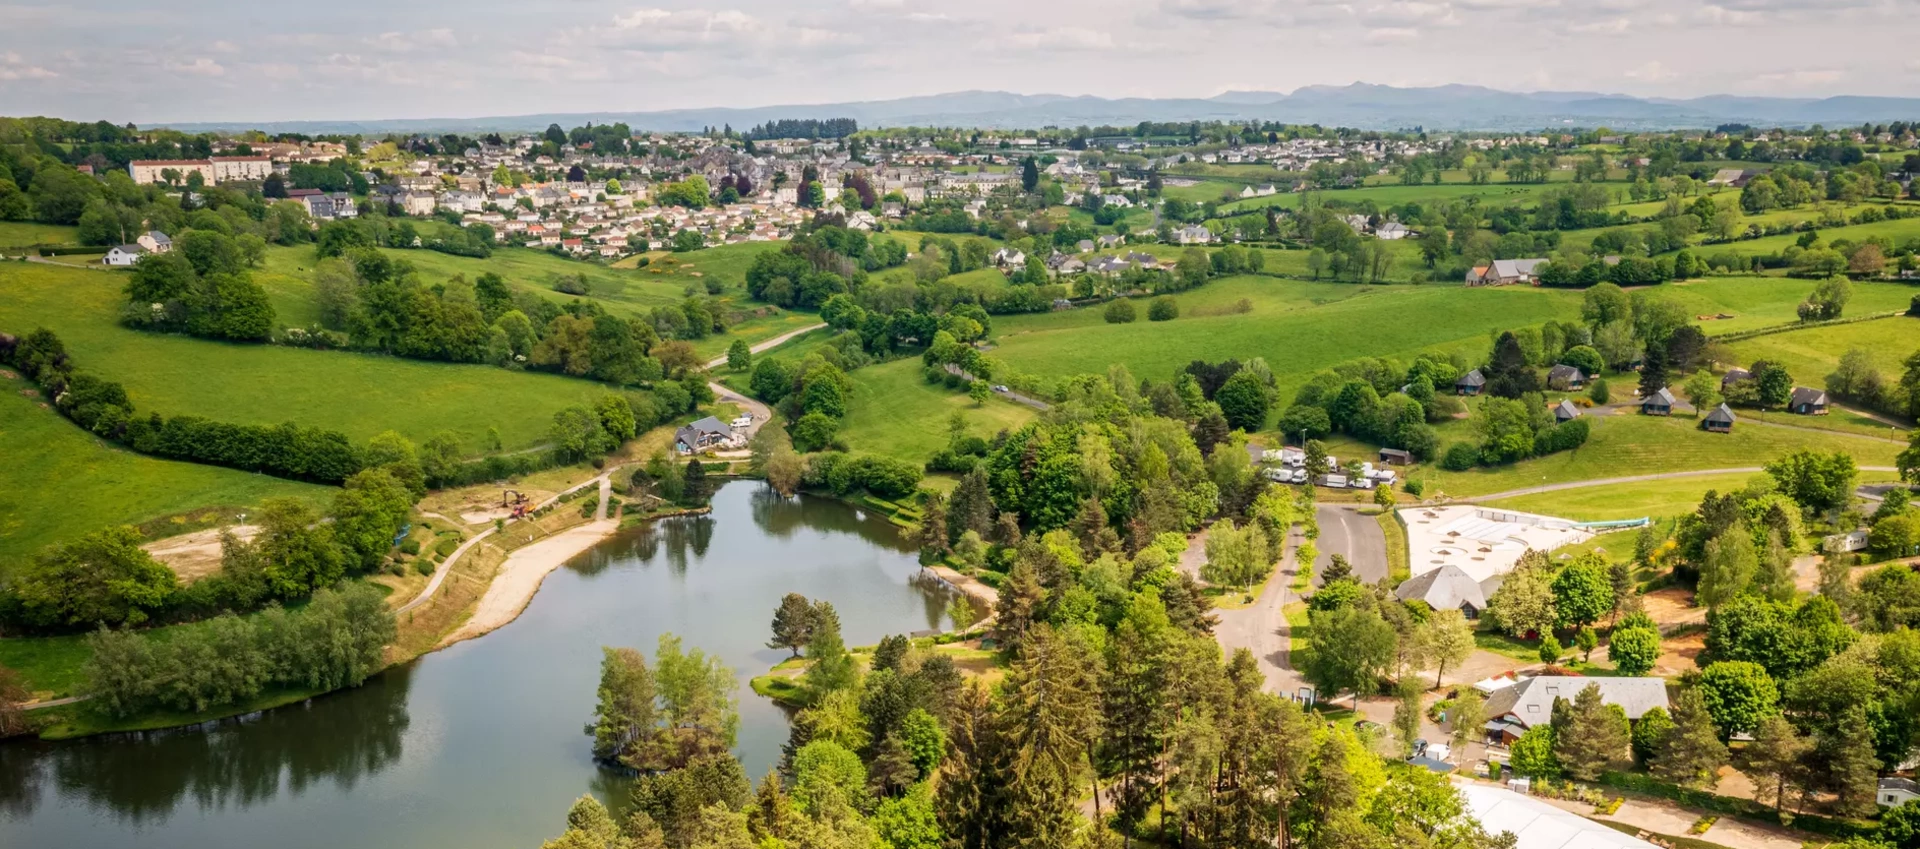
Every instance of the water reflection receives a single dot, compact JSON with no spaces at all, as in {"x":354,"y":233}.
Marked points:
{"x":783,"y":517}
{"x":145,"y":778}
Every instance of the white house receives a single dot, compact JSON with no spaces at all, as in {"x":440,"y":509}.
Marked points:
{"x":124,"y":255}
{"x":1895,"y":792}
{"x":1193,"y":235}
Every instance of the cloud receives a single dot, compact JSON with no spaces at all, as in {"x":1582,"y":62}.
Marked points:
{"x":876,"y":4}
{"x":1059,"y":38}
{"x":1616,"y":26}
{"x":1804,"y":77}
{"x":1651,"y":72}
{"x":1392,"y":35}
{"x":1717,"y":15}
{"x":408,"y":42}
{"x":13,"y":67}
{"x":200,"y":67}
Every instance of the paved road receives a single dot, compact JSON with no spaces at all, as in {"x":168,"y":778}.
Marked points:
{"x":770,"y":344}
{"x":1262,"y":628}
{"x":1344,"y":531}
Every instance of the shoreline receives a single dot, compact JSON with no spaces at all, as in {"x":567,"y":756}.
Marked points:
{"x":520,"y":577}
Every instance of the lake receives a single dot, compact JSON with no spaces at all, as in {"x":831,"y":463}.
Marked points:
{"x":481,"y":745}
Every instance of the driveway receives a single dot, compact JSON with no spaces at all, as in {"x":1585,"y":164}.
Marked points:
{"x":1344,"y":531}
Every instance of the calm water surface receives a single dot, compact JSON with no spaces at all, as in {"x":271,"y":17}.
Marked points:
{"x":480,"y":745}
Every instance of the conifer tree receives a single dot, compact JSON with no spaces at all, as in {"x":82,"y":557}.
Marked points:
{"x":1690,"y":754}
{"x":1595,"y":736}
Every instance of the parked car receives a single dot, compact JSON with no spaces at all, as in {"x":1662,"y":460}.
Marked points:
{"x":1001,"y":388}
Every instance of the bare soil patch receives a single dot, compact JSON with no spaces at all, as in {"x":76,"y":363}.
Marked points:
{"x":196,"y":555}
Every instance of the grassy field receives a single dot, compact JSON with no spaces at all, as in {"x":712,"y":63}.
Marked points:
{"x":22,"y":233}
{"x":1298,"y":326}
{"x":1812,"y":353}
{"x":1630,"y":444}
{"x":1655,"y":499}
{"x":358,"y":394}
{"x":897,"y":414}
{"x":1899,"y":231}
{"x":1492,"y":195}
{"x":60,"y":482}
{"x":1756,"y":302}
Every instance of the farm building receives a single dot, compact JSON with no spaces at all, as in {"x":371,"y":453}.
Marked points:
{"x":1720,"y":420}
{"x":1470,"y":383}
{"x":1504,"y":272}
{"x":1808,"y":402}
{"x":1565,"y":377}
{"x":1659,"y":403}
{"x":1565,"y":411}
{"x":1395,"y":457}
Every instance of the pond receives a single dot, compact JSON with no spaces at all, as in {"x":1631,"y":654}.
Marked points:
{"x":480,"y":745}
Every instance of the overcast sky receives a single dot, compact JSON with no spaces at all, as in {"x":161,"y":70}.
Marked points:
{"x":223,"y":60}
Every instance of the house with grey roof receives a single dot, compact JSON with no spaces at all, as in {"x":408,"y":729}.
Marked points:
{"x":1470,"y":383}
{"x":1895,"y":792}
{"x":704,"y":435}
{"x":1733,"y":376}
{"x":1530,"y":701}
{"x":1565,"y":411}
{"x":1446,"y":588}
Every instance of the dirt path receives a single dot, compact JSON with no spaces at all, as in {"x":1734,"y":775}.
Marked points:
{"x":446,"y":566}
{"x":196,"y":555}
{"x":770,"y":344}
{"x":979,"y":592}
{"x":520,"y":577}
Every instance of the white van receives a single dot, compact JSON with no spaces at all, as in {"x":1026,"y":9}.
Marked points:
{"x":745,"y":420}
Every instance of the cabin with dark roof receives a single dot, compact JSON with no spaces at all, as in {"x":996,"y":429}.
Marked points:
{"x":1659,"y":403}
{"x":1808,"y":402}
{"x":1719,"y":421}
{"x":1565,"y":411}
{"x":1395,"y":457}
{"x":1470,"y":383}
{"x":1565,"y":377}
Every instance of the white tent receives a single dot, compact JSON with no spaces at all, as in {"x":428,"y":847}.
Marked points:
{"x":1539,"y":825}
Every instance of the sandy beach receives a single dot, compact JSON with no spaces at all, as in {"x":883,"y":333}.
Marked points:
{"x":520,"y":577}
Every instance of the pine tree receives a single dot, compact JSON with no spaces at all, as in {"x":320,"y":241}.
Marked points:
{"x":792,"y":623}
{"x":971,"y":506}
{"x":892,"y":770}
{"x":1132,"y":708}
{"x":1690,"y":754}
{"x":1021,"y":600}
{"x":624,"y":717}
{"x":831,"y":667}
{"x":932,"y":536}
{"x":1048,"y":717}
{"x":1853,"y":771}
{"x":772,"y":815}
{"x":1775,"y":760}
{"x":971,"y":806}
{"x":1594,"y":738}
{"x":1089,"y":526}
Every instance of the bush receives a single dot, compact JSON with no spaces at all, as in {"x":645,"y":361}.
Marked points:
{"x":1121,"y":311}
{"x":1599,"y":391}
{"x":1460,"y":457}
{"x":411,"y":547}
{"x":1163,"y":308}
{"x":423,"y":567}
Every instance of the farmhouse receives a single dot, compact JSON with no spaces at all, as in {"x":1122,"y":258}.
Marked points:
{"x":1193,"y":235}
{"x":155,"y":242}
{"x":124,"y":255}
{"x":1470,"y":383}
{"x":703,"y":435}
{"x":1808,"y":402}
{"x":1505,"y":272}
{"x":1719,"y":421}
{"x":1659,"y":403}
{"x":1565,"y":411}
{"x":1513,"y":710}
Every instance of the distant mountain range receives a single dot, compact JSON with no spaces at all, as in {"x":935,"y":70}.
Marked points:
{"x":1448,"y":107}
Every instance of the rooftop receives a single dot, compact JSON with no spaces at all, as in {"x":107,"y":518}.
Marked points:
{"x":1480,"y":541}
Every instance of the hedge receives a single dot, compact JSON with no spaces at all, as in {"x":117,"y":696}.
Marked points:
{"x":1743,"y":808}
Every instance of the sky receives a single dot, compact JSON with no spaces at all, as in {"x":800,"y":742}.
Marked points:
{"x":224,"y":60}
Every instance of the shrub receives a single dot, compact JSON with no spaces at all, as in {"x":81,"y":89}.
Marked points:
{"x":1163,"y":308}
{"x":1122,"y":312}
{"x":411,"y":547}
{"x":423,"y":567}
{"x":1460,"y":457}
{"x":1599,"y":391}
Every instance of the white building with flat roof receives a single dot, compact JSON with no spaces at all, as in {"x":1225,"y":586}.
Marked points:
{"x":1483,"y":542}
{"x":1538,"y":825}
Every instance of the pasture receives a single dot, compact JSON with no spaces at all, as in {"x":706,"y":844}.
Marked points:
{"x":894,"y":412}
{"x":1810,"y":354}
{"x":1757,"y":302}
{"x":18,"y":234}
{"x":358,"y":394}
{"x":60,"y":482}
{"x":1298,"y":326}
{"x":1629,"y":444}
{"x":1652,"y":499}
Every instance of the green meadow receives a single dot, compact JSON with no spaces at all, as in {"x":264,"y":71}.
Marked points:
{"x":16,"y":234}
{"x":358,"y":394}
{"x":1652,"y":499}
{"x":896,"y":413}
{"x":1811,"y":354}
{"x":60,"y":482}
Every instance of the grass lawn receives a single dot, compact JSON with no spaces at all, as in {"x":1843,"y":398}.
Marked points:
{"x":61,"y":482}
{"x":23,"y":233}
{"x":1501,"y":644}
{"x":358,"y":394}
{"x":897,"y":414}
{"x":1756,"y":302}
{"x":1654,"y":499}
{"x":1398,"y":568}
{"x":1490,"y":195}
{"x":1298,"y":326}
{"x":50,"y":665}
{"x":1899,"y":231}
{"x":1629,"y":444}
{"x":1812,"y":353}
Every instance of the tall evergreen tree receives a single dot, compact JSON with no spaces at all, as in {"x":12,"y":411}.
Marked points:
{"x":1508,"y":374}
{"x":1690,"y":754}
{"x":971,"y":802}
{"x":792,"y":623}
{"x":1775,"y":760}
{"x":624,"y":718}
{"x":1595,"y":737}
{"x":1049,"y":718}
